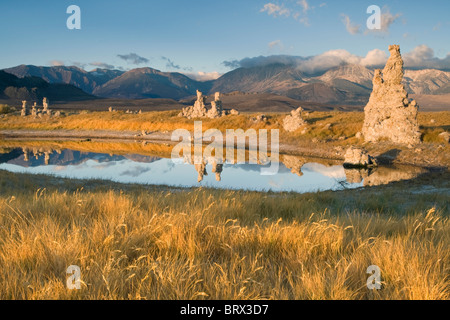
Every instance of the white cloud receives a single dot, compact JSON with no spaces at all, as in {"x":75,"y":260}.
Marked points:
{"x":423,"y":57}
{"x":79,"y":64}
{"x":375,"y":57}
{"x":327,"y":60}
{"x":133,"y":58}
{"x":303,"y":18}
{"x":276,"y":43}
{"x":298,"y":12}
{"x":387,"y":19}
{"x":57,"y":63}
{"x":275,"y":10}
{"x":204,"y":76}
{"x":305,"y":5}
{"x":420,"y":58}
{"x":437,"y":26}
{"x":350,"y":26}
{"x":102,"y":65}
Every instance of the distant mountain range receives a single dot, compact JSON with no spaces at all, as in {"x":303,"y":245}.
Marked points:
{"x":86,"y":81}
{"x":34,"y":88}
{"x":347,"y":84}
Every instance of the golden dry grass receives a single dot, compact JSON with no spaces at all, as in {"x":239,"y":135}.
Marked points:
{"x":135,"y":242}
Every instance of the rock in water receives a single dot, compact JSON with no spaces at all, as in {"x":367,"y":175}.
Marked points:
{"x":294,"y":121}
{"x":357,"y":157}
{"x":389,"y":113}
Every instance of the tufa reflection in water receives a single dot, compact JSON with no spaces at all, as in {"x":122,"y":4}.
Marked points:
{"x":298,"y":174}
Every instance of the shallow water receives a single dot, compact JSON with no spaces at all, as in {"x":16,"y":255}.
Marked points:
{"x":295,"y":174}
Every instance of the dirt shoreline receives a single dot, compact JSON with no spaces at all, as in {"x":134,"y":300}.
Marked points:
{"x":431,"y":156}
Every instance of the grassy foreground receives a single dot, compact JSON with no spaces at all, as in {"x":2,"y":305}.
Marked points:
{"x":135,"y":242}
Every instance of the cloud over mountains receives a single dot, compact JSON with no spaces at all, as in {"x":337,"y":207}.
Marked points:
{"x":133,"y":58}
{"x":102,"y":65}
{"x":419,"y":58}
{"x":423,"y":57}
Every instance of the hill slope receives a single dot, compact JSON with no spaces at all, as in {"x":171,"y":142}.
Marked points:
{"x":86,"y":81}
{"x":145,"y":83}
{"x":33,"y":88}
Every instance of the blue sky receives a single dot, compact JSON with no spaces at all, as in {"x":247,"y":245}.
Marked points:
{"x":199,"y":35}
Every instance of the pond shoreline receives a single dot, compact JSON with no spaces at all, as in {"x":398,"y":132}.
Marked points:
{"x":429,"y":156}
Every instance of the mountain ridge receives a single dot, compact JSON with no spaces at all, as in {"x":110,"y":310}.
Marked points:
{"x":349,"y":83}
{"x":34,"y":88}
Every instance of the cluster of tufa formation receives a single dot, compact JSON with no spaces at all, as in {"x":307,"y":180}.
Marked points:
{"x":389,"y":113}
{"x":35,"y":110}
{"x":198,"y":110}
{"x":216,"y":110}
{"x":294,"y":121}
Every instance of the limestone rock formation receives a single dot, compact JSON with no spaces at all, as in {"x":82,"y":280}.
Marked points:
{"x":294,"y":121}
{"x":196,"y":111}
{"x":34,"y":110}
{"x":445,"y":136}
{"x":25,"y":111}
{"x":357,"y":157}
{"x":199,"y":110}
{"x":45,"y":109}
{"x":216,"y":110}
{"x":260,"y":118}
{"x":390,"y":114}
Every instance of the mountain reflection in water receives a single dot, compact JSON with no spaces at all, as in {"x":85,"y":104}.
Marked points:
{"x":295,"y":173}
